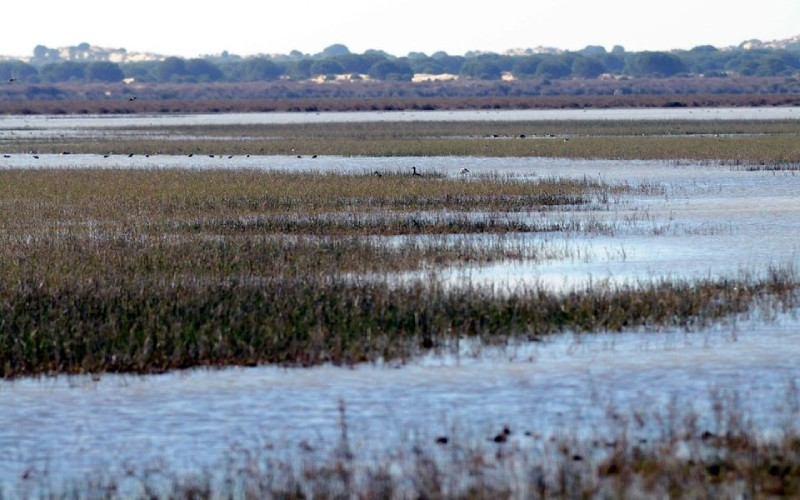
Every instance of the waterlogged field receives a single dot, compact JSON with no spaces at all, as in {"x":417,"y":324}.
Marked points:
{"x":557,"y":308}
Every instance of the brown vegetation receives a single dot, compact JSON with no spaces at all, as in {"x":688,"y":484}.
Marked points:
{"x":73,"y":98}
{"x":143,"y":271}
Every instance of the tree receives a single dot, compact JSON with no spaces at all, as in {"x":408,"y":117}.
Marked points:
{"x":771,"y":66}
{"x":657,"y":64}
{"x":553,"y":67}
{"x":614,"y":62}
{"x":450,"y":64}
{"x":103,"y":71}
{"x":593,"y":50}
{"x":743,"y":66}
{"x":40,"y":52}
{"x":525,"y":66}
{"x":334,"y":50}
{"x":300,"y":70}
{"x":141,"y":71}
{"x":170,"y":69}
{"x":426,"y":65}
{"x":481,"y":69}
{"x":704,"y":49}
{"x":17,"y":70}
{"x":705,"y":60}
{"x":587,"y":67}
{"x":258,"y":69}
{"x":326,"y":67}
{"x":63,"y":71}
{"x":395,"y":69}
{"x":355,"y":63}
{"x":203,"y":71}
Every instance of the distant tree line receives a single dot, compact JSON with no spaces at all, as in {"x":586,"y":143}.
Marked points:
{"x":591,"y":62}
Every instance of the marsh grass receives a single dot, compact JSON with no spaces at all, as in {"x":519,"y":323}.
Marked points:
{"x":493,"y":129}
{"x":146,"y":271}
{"x":147,"y":324}
{"x":744,"y":141}
{"x":181,"y":193}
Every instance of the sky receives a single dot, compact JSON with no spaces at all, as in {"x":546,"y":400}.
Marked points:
{"x":243,"y":27}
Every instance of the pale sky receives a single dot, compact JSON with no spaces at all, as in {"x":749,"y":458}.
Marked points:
{"x":244,"y":27}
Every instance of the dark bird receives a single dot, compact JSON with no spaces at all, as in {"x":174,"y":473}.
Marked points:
{"x":131,"y":99}
{"x":503,"y":436}
{"x":377,"y":174}
{"x":12,"y":80}
{"x":414,"y":172}
{"x":313,"y":156}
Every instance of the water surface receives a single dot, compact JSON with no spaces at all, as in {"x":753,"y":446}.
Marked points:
{"x":22,"y":122}
{"x":694,"y":221}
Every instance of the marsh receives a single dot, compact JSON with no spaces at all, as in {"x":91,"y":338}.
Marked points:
{"x":714,"y":245}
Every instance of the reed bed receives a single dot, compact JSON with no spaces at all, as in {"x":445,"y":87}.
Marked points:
{"x":160,"y":194}
{"x":148,"y":325}
{"x":146,"y":271}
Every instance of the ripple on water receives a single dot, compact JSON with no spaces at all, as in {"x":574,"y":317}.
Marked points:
{"x":566,"y":383}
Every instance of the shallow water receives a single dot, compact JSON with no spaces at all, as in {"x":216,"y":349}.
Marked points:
{"x":68,"y":426}
{"x":70,"y":122}
{"x":698,"y":221}
{"x":693,"y":220}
